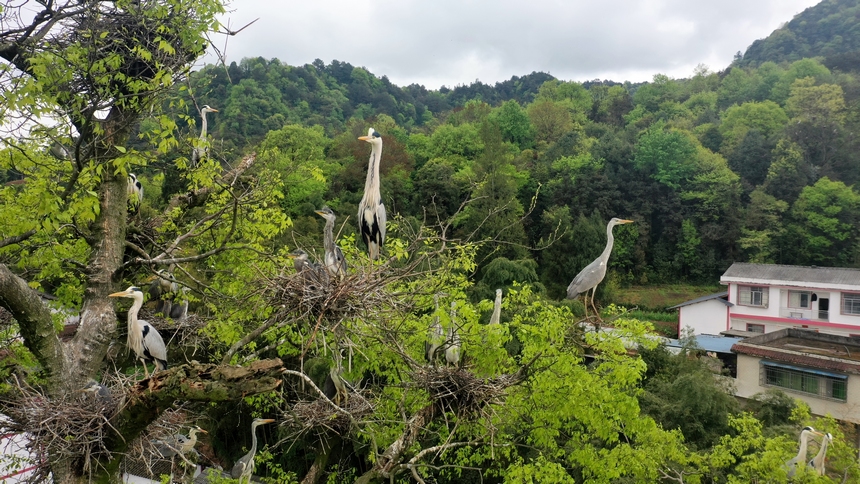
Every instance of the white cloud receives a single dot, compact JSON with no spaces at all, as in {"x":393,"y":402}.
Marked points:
{"x":455,"y":42}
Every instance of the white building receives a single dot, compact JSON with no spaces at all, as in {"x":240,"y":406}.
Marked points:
{"x":769,"y":297}
{"x":706,"y":314}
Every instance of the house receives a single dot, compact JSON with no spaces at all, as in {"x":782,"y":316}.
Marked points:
{"x":821,"y":369}
{"x":706,"y":314}
{"x":770,"y":297}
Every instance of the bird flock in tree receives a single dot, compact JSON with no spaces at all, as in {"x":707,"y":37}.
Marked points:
{"x":148,"y":346}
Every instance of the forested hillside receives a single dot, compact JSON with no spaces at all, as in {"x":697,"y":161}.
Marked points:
{"x":750,"y":164}
{"x":828,"y":30}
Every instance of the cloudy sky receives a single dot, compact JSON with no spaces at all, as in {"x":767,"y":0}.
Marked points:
{"x":446,"y":42}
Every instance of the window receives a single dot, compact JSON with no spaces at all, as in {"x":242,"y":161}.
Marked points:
{"x":755,"y":328}
{"x":799,"y":299}
{"x":850,"y":303}
{"x":752,"y":296}
{"x":812,"y":382}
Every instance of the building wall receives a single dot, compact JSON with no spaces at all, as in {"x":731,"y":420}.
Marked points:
{"x":779,"y":316}
{"x":706,"y":317}
{"x":747,"y":384}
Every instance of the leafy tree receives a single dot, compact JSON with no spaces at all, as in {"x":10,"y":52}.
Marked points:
{"x":765,"y":117}
{"x":763,"y":227}
{"x":666,"y":155}
{"x":514,"y":124}
{"x":788,"y":172}
{"x":550,"y":120}
{"x":826,"y":216}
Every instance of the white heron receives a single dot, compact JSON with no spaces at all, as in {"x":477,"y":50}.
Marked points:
{"x":594,"y":273}
{"x":335,"y":262}
{"x":371,"y":211}
{"x":201,"y":150}
{"x":243,"y":469}
{"x":143,"y":339}
{"x":435,"y":336}
{"x":452,"y":352}
{"x":791,"y":464}
{"x":178,"y":443}
{"x":497,"y":308}
{"x":817,"y":462}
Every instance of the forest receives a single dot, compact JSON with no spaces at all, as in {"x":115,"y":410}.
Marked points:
{"x":506,"y":187}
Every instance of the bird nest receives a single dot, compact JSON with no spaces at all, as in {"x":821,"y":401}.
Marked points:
{"x":71,"y":425}
{"x":333,"y":300}
{"x":320,"y":417}
{"x":458,"y":390}
{"x":144,"y":455}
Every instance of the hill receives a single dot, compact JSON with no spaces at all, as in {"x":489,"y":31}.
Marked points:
{"x":830,"y":29}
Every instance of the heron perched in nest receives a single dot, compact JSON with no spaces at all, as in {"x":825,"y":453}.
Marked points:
{"x":243,"y":469}
{"x":178,"y":443}
{"x":371,"y":211}
{"x":335,"y":262}
{"x":435,"y":336}
{"x":143,"y":339}
{"x":313,"y":274}
{"x":594,"y":273}
{"x":452,"y":352}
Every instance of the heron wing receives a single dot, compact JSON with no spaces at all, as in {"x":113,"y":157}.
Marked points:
{"x":153,"y":345}
{"x":381,"y":219}
{"x":340,"y":261}
{"x":240,"y":466}
{"x":587,"y":278}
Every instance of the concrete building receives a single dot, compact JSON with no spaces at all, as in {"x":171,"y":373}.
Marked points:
{"x":821,"y":369}
{"x":706,"y":314}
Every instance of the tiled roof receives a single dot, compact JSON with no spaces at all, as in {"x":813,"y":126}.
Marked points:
{"x":802,"y":274}
{"x":723,"y":297}
{"x":797,"y":359}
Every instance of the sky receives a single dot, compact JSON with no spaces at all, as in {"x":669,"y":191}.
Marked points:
{"x":450,"y":43}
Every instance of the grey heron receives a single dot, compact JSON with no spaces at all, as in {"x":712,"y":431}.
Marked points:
{"x":371,"y":211}
{"x":335,"y":262}
{"x":791,"y":464}
{"x":817,"y":462}
{"x":452,"y":352}
{"x":435,"y":336}
{"x":178,"y":443}
{"x":166,"y":292}
{"x":135,"y":192}
{"x":594,"y":273}
{"x":336,"y":374}
{"x":497,"y":308}
{"x":313,"y":275}
{"x":101,"y":392}
{"x":143,"y":339}
{"x":243,"y":469}
{"x":200,"y":150}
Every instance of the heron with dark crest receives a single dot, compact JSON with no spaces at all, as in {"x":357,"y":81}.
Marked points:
{"x":371,"y":211}
{"x":243,"y":469}
{"x":594,"y":273}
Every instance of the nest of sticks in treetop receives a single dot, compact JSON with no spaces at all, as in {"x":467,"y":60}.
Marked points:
{"x":335,"y":300}
{"x":458,"y":390}
{"x":72,"y":425}
{"x":321,"y":418}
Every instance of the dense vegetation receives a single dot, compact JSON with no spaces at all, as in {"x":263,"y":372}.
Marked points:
{"x":506,"y":186}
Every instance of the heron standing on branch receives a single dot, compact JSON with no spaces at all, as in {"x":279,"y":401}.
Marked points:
{"x":371,"y":211}
{"x":243,"y":469}
{"x":335,"y":262}
{"x":791,"y":464}
{"x":201,"y":150}
{"x":594,"y":273}
{"x":143,"y":339}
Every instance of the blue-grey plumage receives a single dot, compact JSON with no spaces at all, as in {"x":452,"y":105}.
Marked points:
{"x":435,"y":336}
{"x":452,"y":352}
{"x":98,"y":390}
{"x":243,"y":469}
{"x":313,"y":274}
{"x":594,"y":273}
{"x":371,"y":211}
{"x":335,"y":262}
{"x":143,"y":339}
{"x":178,"y":443}
{"x":791,"y":465}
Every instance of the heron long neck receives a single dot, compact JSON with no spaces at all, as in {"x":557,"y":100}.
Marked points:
{"x":253,"y":439}
{"x":203,"y":125}
{"x":132,"y":312}
{"x":801,"y":454}
{"x":329,"y":235}
{"x":818,"y":460}
{"x":497,"y":310}
{"x":371,"y":185}
{"x":610,"y":241}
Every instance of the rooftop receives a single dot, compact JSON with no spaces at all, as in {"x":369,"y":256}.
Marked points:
{"x":723,"y":297}
{"x":775,"y":274}
{"x":709,"y":342}
{"x":804,"y":347}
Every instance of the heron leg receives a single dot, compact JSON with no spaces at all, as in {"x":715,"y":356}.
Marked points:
{"x":596,"y":312}
{"x":145,"y":370}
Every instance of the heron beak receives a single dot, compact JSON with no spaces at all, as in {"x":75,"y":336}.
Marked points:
{"x":627,"y":221}
{"x":319,"y":212}
{"x":201,"y":430}
{"x":292,"y":256}
{"x":268,"y":420}
{"x":364,"y":138}
{"x":213,"y":110}
{"x":119,"y":294}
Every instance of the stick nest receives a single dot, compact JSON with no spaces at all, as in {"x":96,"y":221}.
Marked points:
{"x":458,"y":390}
{"x":319,"y":417}
{"x":72,"y":425}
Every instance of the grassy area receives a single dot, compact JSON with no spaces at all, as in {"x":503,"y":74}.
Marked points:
{"x":658,"y":298}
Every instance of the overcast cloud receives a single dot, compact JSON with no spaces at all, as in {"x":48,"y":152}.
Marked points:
{"x":445,"y":42}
